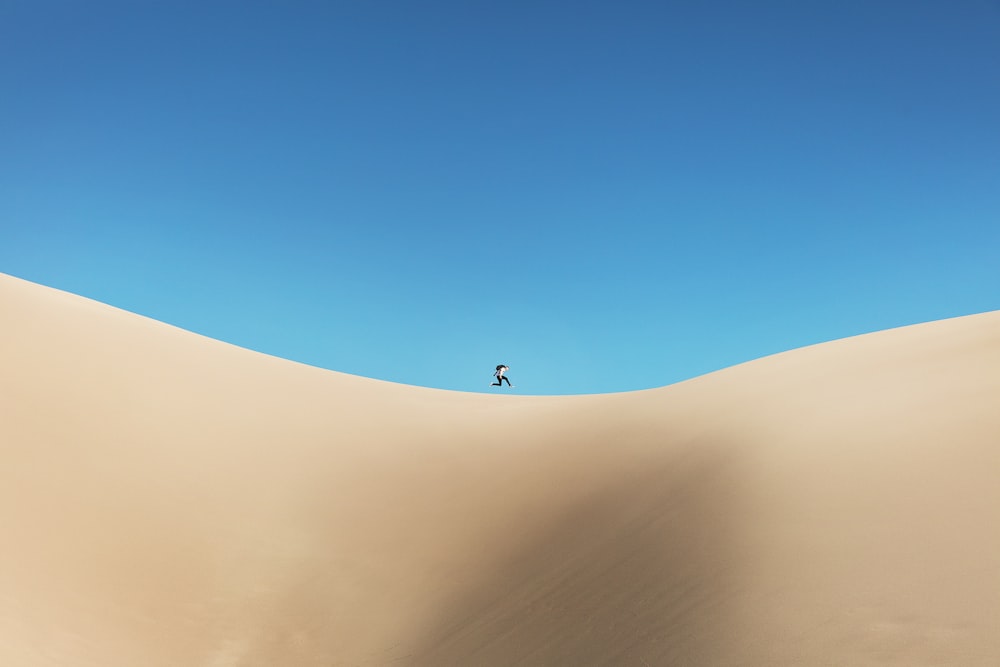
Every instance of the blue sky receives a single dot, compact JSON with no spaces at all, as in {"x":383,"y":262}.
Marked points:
{"x":604,"y":196}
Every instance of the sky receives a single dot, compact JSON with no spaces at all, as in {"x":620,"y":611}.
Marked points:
{"x":605,"y":196}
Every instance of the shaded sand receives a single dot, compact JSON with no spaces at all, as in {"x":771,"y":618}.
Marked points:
{"x":169,"y":500}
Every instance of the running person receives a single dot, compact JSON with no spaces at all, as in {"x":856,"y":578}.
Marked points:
{"x":499,"y":374}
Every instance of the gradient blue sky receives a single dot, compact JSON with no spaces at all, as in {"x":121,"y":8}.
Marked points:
{"x":604,"y":195}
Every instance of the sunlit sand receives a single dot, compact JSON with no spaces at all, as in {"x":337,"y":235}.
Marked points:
{"x":170,"y":500}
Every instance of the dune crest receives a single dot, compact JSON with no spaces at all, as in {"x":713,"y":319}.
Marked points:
{"x":167,"y":499}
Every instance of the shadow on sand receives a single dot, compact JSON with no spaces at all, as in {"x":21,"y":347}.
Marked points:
{"x":639,"y":574}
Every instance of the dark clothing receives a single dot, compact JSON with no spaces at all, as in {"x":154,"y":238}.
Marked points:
{"x":501,"y":369}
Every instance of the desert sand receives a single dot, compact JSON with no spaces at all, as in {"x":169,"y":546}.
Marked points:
{"x":171,"y":500}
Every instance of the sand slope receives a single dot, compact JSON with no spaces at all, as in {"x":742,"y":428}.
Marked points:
{"x":166,"y":499}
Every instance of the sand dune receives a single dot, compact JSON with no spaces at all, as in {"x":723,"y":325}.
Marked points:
{"x":170,"y":500}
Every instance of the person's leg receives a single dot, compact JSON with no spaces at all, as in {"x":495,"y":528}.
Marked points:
{"x":504,"y":377}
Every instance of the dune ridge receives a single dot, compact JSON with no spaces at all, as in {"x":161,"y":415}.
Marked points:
{"x":167,"y":499}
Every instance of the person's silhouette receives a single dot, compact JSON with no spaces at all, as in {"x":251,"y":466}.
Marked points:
{"x":499,"y":374}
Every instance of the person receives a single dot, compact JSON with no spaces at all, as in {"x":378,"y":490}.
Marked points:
{"x":499,"y":373}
